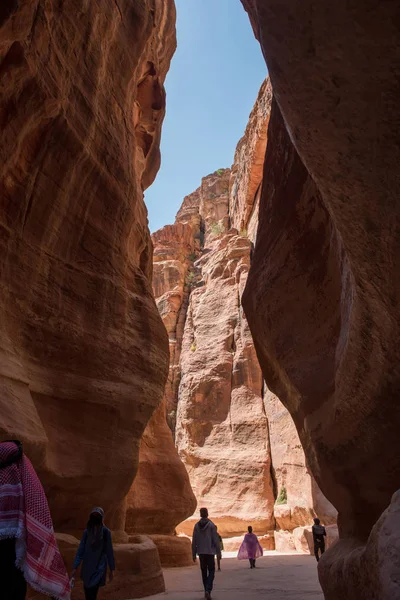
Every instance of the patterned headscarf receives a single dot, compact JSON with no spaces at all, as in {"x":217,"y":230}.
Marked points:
{"x":25,"y":516}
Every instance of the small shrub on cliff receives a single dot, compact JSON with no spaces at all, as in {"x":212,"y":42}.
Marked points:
{"x":193,"y":347}
{"x":171,"y":421}
{"x":192,"y":257}
{"x":282,"y":497}
{"x":243,"y":232}
{"x":220,"y":171}
{"x":216,"y":228}
{"x":190,"y":278}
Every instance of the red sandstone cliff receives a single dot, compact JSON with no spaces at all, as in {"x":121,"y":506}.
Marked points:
{"x":323,"y":292}
{"x":83,"y":353}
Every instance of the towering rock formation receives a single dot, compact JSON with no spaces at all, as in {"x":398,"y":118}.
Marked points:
{"x":323,"y":293}
{"x":83,"y":353}
{"x":215,"y":386}
{"x":219,"y":401}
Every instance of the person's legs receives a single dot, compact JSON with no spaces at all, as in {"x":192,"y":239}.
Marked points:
{"x":211,"y":572}
{"x":203,"y":567}
{"x":254,"y":563}
{"x":322,"y":548}
{"x":251,"y":563}
{"x":316,"y":551}
{"x":219,"y":563}
{"x":91,"y":593}
{"x":19,"y":586}
{"x":13,"y":584}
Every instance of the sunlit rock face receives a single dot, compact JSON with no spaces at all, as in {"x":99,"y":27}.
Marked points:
{"x":216,"y":403}
{"x":322,"y":294}
{"x":299,"y":497}
{"x":83,"y":352}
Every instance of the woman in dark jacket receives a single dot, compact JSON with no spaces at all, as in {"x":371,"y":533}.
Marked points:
{"x":96,"y":552}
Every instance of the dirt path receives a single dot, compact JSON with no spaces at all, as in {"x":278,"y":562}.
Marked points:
{"x":277,"y":577}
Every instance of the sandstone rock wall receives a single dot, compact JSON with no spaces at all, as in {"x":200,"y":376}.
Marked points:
{"x":247,"y":169}
{"x":161,"y":496}
{"x":83,"y":353}
{"x":292,"y":478}
{"x":327,"y":254}
{"x":222,"y":432}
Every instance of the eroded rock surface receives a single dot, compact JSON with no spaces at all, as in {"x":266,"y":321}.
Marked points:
{"x":161,"y":496}
{"x":304,"y":499}
{"x":352,"y":569}
{"x":222,"y":432}
{"x":247,"y":169}
{"x":323,"y":292}
{"x":83,"y":353}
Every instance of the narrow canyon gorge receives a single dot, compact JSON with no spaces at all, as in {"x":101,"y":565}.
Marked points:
{"x":238,"y":443}
{"x":269,"y":410}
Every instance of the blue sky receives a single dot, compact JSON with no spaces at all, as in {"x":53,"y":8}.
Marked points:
{"x":211,"y":87}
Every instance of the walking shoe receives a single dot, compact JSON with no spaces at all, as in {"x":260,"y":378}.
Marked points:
{"x":208,"y":596}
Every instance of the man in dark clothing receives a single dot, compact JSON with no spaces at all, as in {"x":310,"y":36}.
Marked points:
{"x":206,"y":544}
{"x":318,"y":532}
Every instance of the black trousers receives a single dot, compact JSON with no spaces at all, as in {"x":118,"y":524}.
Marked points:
{"x":252,"y":562}
{"x":319,"y":546}
{"x":207,"y":566}
{"x":91,"y":593}
{"x":12,"y":582}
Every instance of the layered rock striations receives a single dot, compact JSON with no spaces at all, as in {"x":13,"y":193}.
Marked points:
{"x":222,"y":432}
{"x":83,"y":352}
{"x":226,"y":424}
{"x":247,"y":168}
{"x":161,"y":496}
{"x":323,"y":292}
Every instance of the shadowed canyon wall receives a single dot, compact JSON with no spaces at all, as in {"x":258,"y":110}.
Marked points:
{"x":323,"y":291}
{"x":227,"y":426}
{"x":79,"y":144}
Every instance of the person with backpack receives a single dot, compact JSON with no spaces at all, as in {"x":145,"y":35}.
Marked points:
{"x":206,"y":544}
{"x":319,"y":532}
{"x":96,"y":553}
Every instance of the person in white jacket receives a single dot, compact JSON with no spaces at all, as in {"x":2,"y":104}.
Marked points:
{"x":206,"y":544}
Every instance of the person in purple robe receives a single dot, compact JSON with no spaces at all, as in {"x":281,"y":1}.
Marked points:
{"x":250,"y":548}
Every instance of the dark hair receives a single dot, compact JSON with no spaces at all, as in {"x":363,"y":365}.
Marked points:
{"x":250,"y":529}
{"x":317,"y":521}
{"x":203,"y":513}
{"x":92,"y":522}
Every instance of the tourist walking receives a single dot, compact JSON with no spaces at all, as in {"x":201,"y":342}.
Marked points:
{"x":251,"y":548}
{"x":28,"y":549}
{"x":319,"y":533}
{"x":221,"y":547}
{"x":96,"y":552}
{"x":206,"y":544}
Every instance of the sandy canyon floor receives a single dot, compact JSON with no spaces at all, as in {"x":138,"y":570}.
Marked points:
{"x":276,"y":577}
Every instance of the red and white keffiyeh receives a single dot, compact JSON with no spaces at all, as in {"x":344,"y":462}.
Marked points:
{"x":25,"y":516}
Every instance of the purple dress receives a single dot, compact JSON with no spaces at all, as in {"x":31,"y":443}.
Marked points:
{"x":250,"y":548}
